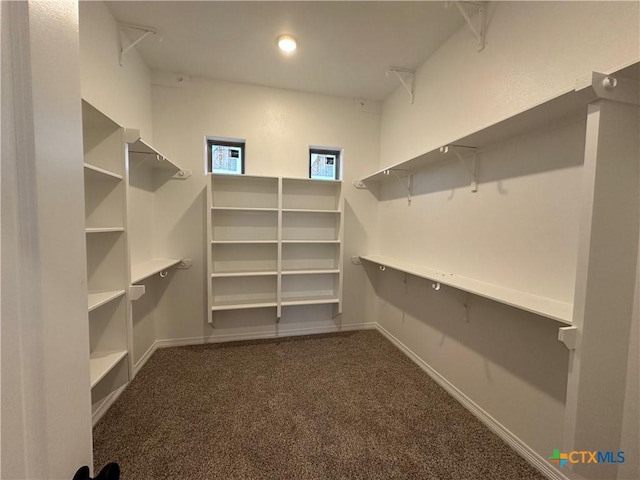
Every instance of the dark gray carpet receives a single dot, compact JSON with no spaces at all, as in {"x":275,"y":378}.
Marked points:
{"x":339,"y":406}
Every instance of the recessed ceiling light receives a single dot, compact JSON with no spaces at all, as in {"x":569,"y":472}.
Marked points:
{"x":287,"y":43}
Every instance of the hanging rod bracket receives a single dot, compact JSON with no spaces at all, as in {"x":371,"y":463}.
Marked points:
{"x":617,"y":89}
{"x":408,"y":186}
{"x":143,"y":32}
{"x":359,"y":184}
{"x":406,"y":78}
{"x":182,"y":174}
{"x":479,"y":33}
{"x":473,"y":172}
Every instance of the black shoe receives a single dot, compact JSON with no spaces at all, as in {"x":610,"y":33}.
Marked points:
{"x":82,"y":474}
{"x":111,"y":471}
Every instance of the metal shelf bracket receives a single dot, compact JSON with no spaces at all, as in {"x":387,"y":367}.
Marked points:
{"x":480,"y":33}
{"x":143,"y":31}
{"x":406,"y":78}
{"x":473,"y":172}
{"x":408,"y":186}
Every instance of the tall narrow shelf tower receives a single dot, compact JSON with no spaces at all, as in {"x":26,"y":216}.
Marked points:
{"x":107,"y":260}
{"x":148,"y":171}
{"x":275,"y":242}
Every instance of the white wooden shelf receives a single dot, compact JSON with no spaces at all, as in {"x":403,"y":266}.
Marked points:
{"x":309,"y":300}
{"x":568,"y":105}
{"x":244,"y":209}
{"x":146,"y":269}
{"x":101,"y":172}
{"x":311,"y":241}
{"x":307,"y":271}
{"x":544,"y":306}
{"x":245,"y":242}
{"x":247,"y":273}
{"x":97,"y":299}
{"x":310,"y":210}
{"x":242,"y":304}
{"x":101,"y":363}
{"x":104,"y":230}
{"x":141,"y":152}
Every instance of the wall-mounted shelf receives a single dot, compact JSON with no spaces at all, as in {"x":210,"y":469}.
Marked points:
{"x":146,"y":269}
{"x":568,"y":105}
{"x":309,"y":271}
{"x":97,"y":299}
{"x":141,"y":152}
{"x":243,"y":242}
{"x":310,"y":241}
{"x":544,"y":306}
{"x":310,"y":300}
{"x":244,"y":209}
{"x":104,"y":230}
{"x":100,"y":173}
{"x":101,"y":363}
{"x":254,"y":273}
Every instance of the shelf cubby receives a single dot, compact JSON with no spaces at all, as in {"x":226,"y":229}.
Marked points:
{"x":230,"y":293}
{"x":107,"y":337}
{"x":244,"y":191}
{"x":315,"y":256}
{"x":307,"y":194}
{"x":102,"y":142}
{"x":245,"y":225}
{"x":301,"y":225}
{"x":230,"y":259}
{"x":311,"y":289}
{"x":106,"y":261}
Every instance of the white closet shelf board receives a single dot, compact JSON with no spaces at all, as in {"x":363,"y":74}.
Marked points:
{"x":244,"y":209}
{"x":307,"y":271}
{"x":568,"y":105}
{"x":100,"y":173}
{"x":311,"y":180}
{"x":243,"y":242}
{"x":543,"y":306}
{"x":311,"y":241}
{"x":247,"y":273}
{"x":146,"y":269}
{"x":97,"y":299}
{"x":310,"y":300}
{"x":303,"y":210}
{"x":242,"y":304}
{"x":102,"y":363}
{"x":141,"y":151}
{"x":104,"y":230}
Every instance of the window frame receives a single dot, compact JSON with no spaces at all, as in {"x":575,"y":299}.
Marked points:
{"x":326,"y":151}
{"x":211,"y":142}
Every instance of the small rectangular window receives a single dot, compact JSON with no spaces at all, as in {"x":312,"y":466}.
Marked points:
{"x":226,"y":157}
{"x":324,"y":164}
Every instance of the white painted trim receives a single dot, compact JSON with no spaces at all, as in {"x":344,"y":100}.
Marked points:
{"x":147,"y":355}
{"x":526,"y":452}
{"x":106,"y":405}
{"x":236,"y":337}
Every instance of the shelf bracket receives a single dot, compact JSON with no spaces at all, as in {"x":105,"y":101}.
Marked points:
{"x":136,"y":291}
{"x":143,"y":32}
{"x":473,"y":172}
{"x":568,"y":336}
{"x":359,"y":184}
{"x":406,"y":78}
{"x":482,"y":10}
{"x":617,"y":89}
{"x":182,"y":175}
{"x":407,"y":186}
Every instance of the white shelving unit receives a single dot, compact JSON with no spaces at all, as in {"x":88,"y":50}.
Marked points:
{"x":560,"y":110}
{"x":151,"y":256}
{"x":275,"y":242}
{"x":107,"y":275}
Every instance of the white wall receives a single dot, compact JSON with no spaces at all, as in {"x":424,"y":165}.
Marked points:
{"x":520,"y":229}
{"x":123,"y":93}
{"x":278,"y":126}
{"x":46,"y":407}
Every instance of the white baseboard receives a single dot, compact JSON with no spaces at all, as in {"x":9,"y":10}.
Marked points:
{"x":236,"y":337}
{"x":106,"y":404}
{"x":147,"y":355}
{"x":537,"y":461}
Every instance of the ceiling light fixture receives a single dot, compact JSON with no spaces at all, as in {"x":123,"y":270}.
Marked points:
{"x":287,"y":43}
